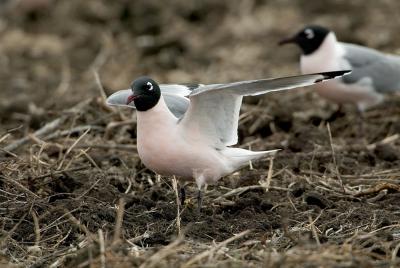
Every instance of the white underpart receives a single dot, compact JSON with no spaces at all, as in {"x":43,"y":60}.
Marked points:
{"x":330,"y":57}
{"x":167,"y":148}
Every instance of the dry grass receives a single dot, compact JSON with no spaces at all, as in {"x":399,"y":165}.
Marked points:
{"x":56,"y":234}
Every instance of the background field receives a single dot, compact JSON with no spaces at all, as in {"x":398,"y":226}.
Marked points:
{"x":73,"y":193}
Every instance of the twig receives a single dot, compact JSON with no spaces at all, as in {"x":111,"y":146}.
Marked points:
{"x":82,"y":227}
{"x":210,"y":251}
{"x":19,"y":185}
{"x":14,"y":129}
{"x":145,"y":235}
{"x":4,"y":137}
{"x":384,"y":228}
{"x":334,"y":157}
{"x":99,"y":85}
{"x":5,"y":152}
{"x":88,"y":190}
{"x":37,"y":227}
{"x":72,"y":147}
{"x":90,"y":158}
{"x":74,"y":130}
{"x":269,"y":176}
{"x":125,"y":147}
{"x":394,"y":256}
{"x":65,"y":79}
{"x":240,"y":190}
{"x":68,"y":252}
{"x":102,"y":249}
{"x":116,"y":124}
{"x":60,"y":171}
{"x":118,"y":221}
{"x":314,"y":231}
{"x":378,"y":197}
{"x":37,"y":141}
{"x":386,"y":140}
{"x":11,"y":232}
{"x":155,"y":259}
{"x":383,"y":173}
{"x":178,"y":212}
{"x":49,"y":127}
{"x":379,"y":187}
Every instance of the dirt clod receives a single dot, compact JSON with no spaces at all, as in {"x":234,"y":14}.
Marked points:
{"x":386,"y":152}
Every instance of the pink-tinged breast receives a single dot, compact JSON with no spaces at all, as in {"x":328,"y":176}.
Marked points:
{"x":167,"y":150}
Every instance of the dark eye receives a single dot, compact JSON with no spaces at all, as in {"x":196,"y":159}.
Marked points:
{"x":149,"y":86}
{"x":309,"y":33}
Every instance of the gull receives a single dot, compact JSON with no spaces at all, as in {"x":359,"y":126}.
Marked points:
{"x":187,"y":130}
{"x":373,"y":75}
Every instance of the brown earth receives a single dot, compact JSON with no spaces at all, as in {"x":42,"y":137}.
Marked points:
{"x":328,"y":202}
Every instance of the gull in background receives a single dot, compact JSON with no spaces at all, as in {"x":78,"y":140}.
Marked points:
{"x":187,"y":130}
{"x":373,"y":73}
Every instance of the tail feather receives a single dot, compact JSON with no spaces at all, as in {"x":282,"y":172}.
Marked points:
{"x":241,"y":157}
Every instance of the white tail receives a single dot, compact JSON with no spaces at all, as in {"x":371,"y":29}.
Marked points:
{"x":241,"y":157}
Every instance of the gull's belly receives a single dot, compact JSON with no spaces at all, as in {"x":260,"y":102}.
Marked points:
{"x":169,"y":150}
{"x":335,"y":90}
{"x":170,"y":155}
{"x":341,"y":93}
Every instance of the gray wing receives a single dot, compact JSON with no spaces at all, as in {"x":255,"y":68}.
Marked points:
{"x":213,"y":112}
{"x":262,"y":86}
{"x":183,"y":90}
{"x":177,"y":104}
{"x":175,"y":96}
{"x":383,"y":70}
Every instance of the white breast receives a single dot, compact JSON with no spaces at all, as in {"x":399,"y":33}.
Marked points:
{"x":166,"y":149}
{"x":326,"y":58}
{"x":330,"y":57}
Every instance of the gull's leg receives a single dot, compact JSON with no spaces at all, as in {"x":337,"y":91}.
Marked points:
{"x":182,"y":195}
{"x":361,"y":125}
{"x":336,"y":114}
{"x":199,"y":200}
{"x":200,"y":181}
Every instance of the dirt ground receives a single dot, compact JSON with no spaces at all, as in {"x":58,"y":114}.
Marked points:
{"x":74,"y":193}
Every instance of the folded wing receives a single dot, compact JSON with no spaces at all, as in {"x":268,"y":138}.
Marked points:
{"x":383,"y":70}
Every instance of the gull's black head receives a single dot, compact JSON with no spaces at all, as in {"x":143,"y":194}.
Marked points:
{"x":146,"y":93}
{"x":309,"y":39}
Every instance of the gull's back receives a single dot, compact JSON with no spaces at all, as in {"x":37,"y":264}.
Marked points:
{"x":382,"y":69}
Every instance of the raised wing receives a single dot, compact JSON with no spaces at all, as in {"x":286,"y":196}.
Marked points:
{"x":262,"y":86}
{"x":214,"y":109}
{"x":120,"y":98}
{"x":177,"y":104}
{"x":174,"y":97}
{"x":183,"y":90}
{"x":383,"y":70}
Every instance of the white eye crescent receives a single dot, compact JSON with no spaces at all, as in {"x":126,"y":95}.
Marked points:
{"x":150,"y":86}
{"x":309,"y":33}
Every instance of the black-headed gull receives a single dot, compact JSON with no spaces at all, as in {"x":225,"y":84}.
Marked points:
{"x":373,"y":73}
{"x":187,"y":130}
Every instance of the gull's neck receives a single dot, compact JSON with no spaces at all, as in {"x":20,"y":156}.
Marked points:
{"x":325,"y":58}
{"x":330,"y":44}
{"x":158,"y":119}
